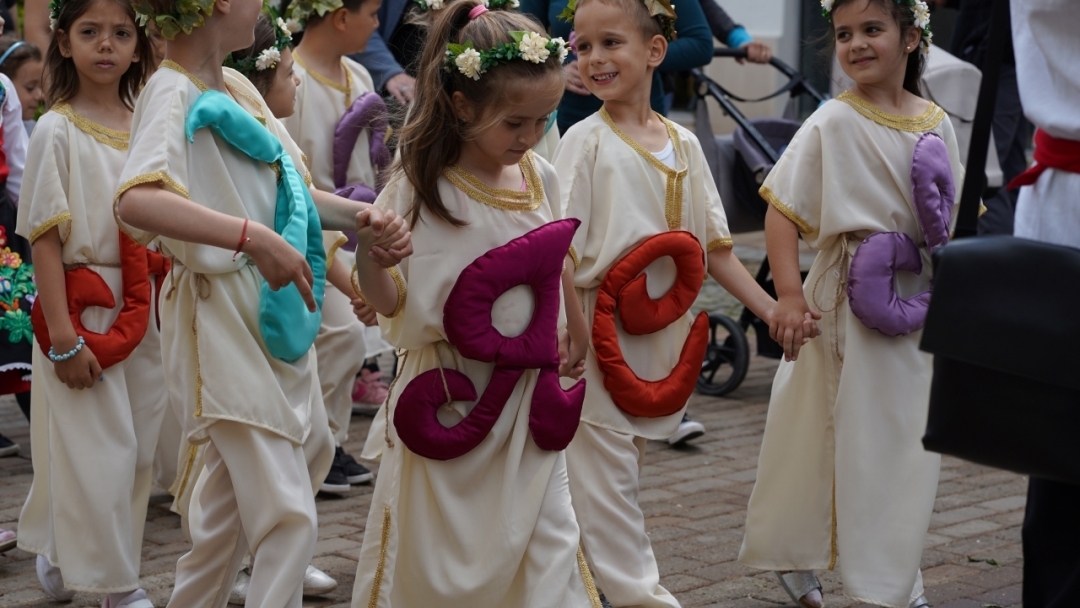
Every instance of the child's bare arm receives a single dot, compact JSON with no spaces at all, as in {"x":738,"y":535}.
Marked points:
{"x":394,"y":242}
{"x":82,"y":370}
{"x":378,"y":286}
{"x":576,"y":326}
{"x":733,"y":277}
{"x":338,"y":276}
{"x":790,"y":325}
{"x":152,"y":208}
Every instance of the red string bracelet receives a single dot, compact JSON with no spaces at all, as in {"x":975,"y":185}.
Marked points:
{"x":243,"y":240}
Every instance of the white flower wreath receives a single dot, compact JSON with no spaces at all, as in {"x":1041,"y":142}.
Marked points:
{"x":919,"y":9}
{"x":530,"y":46}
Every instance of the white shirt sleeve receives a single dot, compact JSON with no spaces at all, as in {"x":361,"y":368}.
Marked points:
{"x":15,"y":138}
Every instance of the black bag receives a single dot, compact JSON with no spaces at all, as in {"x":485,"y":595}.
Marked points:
{"x":1004,"y":328}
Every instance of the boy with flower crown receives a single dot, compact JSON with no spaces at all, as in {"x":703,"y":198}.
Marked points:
{"x":218,"y":180}
{"x":339,"y":124}
{"x":647,"y":204}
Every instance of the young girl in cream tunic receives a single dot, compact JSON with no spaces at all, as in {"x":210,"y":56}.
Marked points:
{"x":471,"y":507}
{"x":641,"y":188}
{"x":213,"y":196}
{"x":94,"y":431}
{"x":843,"y":479}
{"x":340,"y":125}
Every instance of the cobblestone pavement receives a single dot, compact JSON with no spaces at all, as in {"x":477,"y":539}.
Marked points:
{"x":694,"y":498}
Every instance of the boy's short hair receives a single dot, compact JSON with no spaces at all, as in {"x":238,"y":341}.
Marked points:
{"x":636,"y":10}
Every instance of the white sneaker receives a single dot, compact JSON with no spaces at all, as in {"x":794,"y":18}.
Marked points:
{"x":920,"y":602}
{"x":52,"y":581}
{"x":135,"y":599}
{"x":688,"y":429}
{"x":316,"y":582}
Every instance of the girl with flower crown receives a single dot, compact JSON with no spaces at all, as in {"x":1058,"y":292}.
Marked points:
{"x":215,"y":177}
{"x":869,"y":182}
{"x":97,"y":396}
{"x":471,"y":507}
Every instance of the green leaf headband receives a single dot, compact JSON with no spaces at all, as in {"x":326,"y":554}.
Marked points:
{"x":661,"y":10}
{"x":918,"y":7}
{"x":302,"y":10}
{"x":530,"y":46}
{"x":185,"y":16}
{"x":437,"y":5}
{"x":270,"y":57}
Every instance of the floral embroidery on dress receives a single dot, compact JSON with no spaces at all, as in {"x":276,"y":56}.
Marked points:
{"x":16,"y":287}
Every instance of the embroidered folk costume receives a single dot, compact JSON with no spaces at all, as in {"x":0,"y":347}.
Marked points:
{"x":634,"y":210}
{"x":477,"y":514}
{"x":91,"y":531}
{"x":234,"y":377}
{"x":843,"y":478}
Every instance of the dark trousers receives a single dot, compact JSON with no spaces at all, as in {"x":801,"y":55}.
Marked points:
{"x":1051,"y":537}
{"x":1012,"y":134}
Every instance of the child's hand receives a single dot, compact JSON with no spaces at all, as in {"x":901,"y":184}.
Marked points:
{"x":364,"y":313}
{"x":80,"y":371}
{"x":384,"y":235}
{"x":792,"y":325}
{"x":571,"y":355}
{"x":280,"y":263}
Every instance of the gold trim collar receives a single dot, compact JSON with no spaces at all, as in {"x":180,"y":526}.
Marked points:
{"x":500,"y":198}
{"x":922,"y":123}
{"x":110,"y":137}
{"x":176,"y":67}
{"x":674,"y":179}
{"x":347,"y":89}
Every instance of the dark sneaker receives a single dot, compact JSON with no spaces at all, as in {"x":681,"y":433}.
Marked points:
{"x":335,"y":482}
{"x":8,"y":447}
{"x":688,"y":429}
{"x":355,"y":472}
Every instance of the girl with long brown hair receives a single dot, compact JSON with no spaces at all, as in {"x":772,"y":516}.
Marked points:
{"x":472,"y":506}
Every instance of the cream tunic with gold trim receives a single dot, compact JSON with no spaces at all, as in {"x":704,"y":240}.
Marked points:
{"x":493,"y":527}
{"x":843,"y":477}
{"x":107,"y":434}
{"x":320,"y":103}
{"x":219,"y":368}
{"x":623,"y":195}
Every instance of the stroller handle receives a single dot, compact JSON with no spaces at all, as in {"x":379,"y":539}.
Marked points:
{"x":796,"y":83}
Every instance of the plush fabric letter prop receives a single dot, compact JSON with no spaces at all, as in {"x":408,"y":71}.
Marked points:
{"x":367,"y":112}
{"x":534,"y":259}
{"x":871,"y":288}
{"x":624,"y":288}
{"x":86,"y":288}
{"x":288,"y":327}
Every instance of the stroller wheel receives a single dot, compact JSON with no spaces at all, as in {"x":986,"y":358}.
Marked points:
{"x":726,"y":359}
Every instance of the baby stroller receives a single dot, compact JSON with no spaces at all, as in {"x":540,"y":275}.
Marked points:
{"x":739,"y":163}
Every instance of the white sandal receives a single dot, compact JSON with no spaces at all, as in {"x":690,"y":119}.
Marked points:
{"x":920,"y":602}
{"x":803,"y":587}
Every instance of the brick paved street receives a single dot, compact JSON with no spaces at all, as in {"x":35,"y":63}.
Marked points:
{"x":694,"y":499}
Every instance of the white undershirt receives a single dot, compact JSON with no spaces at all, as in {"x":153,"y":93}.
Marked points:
{"x":667,"y":155}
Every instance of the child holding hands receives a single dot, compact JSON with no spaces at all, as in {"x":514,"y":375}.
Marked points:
{"x":868,"y":181}
{"x":217,"y":179}
{"x":640,"y":186}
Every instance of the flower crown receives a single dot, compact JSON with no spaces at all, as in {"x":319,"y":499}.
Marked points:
{"x":301,"y":10}
{"x":54,"y":13}
{"x":269,"y":58}
{"x":918,"y":7}
{"x":185,"y":16}
{"x":437,"y":5}
{"x":530,"y":46}
{"x":661,"y":10}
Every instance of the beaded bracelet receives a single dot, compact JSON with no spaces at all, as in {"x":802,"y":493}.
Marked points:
{"x":55,"y":358}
